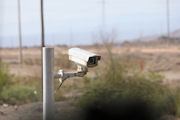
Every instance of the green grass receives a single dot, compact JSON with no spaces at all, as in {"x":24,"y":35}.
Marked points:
{"x":4,"y":75}
{"x":19,"y":95}
{"x":18,"y":90}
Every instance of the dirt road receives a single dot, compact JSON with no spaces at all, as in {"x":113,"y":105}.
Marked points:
{"x":64,"y":111}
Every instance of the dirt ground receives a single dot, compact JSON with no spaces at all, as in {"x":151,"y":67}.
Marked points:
{"x":33,"y":111}
{"x":165,"y":60}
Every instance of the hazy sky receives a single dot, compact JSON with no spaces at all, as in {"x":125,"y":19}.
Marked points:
{"x":83,"y":19}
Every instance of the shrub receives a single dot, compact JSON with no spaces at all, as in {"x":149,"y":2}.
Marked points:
{"x":4,"y":75}
{"x":12,"y":93}
{"x":177,"y":95}
{"x":118,"y":95}
{"x":19,"y":95}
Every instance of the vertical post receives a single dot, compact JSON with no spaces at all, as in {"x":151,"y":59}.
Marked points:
{"x":71,"y":39}
{"x":103,"y":20}
{"x":20,"y":33}
{"x":42,"y":38}
{"x":168,"y":19}
{"x":42,"y":24}
{"x":103,"y":14}
{"x":48,"y":83}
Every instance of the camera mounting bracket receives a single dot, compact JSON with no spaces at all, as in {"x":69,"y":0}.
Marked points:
{"x":62,"y":76}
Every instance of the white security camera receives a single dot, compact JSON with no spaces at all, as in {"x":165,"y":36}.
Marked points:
{"x":83,"y":57}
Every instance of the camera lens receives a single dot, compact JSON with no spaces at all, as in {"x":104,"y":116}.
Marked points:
{"x":92,"y":61}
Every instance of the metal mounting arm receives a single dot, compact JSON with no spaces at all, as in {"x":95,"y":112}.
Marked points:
{"x":81,"y":71}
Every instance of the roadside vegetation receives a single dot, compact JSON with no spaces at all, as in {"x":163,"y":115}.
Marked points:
{"x":122,"y":94}
{"x":120,"y":91}
{"x":14,"y":92}
{"x":116,"y":88}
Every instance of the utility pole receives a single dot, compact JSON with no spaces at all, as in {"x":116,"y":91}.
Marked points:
{"x":47,"y":60}
{"x":168,"y":19}
{"x":71,"y":39}
{"x":42,"y":24}
{"x":103,"y":20}
{"x":20,"y":33}
{"x":42,"y":40}
{"x":103,"y":14}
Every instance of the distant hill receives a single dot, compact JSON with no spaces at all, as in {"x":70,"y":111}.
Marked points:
{"x":155,"y":41}
{"x":176,"y":34}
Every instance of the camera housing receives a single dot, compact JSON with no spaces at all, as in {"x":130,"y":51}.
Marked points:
{"x":83,"y":57}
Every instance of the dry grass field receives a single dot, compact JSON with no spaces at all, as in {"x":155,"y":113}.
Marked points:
{"x":165,"y":60}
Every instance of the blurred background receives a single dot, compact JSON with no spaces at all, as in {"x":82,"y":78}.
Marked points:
{"x":137,"y":78}
{"x":75,"y":22}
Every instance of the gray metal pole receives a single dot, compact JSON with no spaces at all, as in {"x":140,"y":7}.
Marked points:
{"x":42,"y":37}
{"x":20,"y":33}
{"x":48,"y":83}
